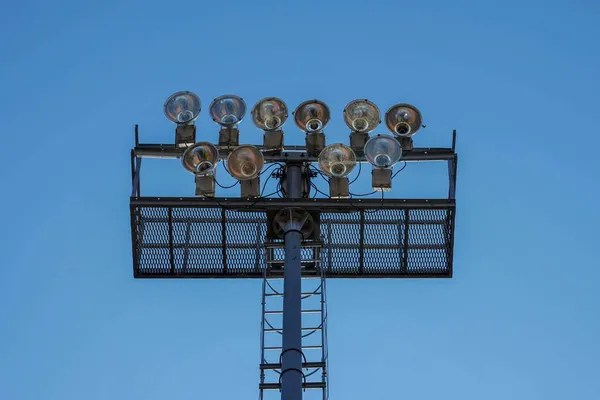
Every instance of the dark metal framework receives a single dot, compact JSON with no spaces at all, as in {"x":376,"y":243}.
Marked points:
{"x":216,"y":238}
{"x":190,"y":237}
{"x":195,"y":237}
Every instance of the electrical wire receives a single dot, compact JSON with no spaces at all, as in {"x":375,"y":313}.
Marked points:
{"x":225,"y":187}
{"x":362,"y":195}
{"x":271,"y":166}
{"x":357,"y":175}
{"x":325,"y":177}
{"x":278,"y":170}
{"x":317,"y":189}
{"x":400,"y":170}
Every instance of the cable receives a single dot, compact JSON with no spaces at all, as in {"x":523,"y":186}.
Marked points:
{"x":325,"y":177}
{"x":271,"y":166}
{"x":400,"y":170}
{"x":359,"y":171}
{"x":265,"y":186}
{"x":362,"y":195}
{"x":225,"y":187}
{"x":317,"y":189}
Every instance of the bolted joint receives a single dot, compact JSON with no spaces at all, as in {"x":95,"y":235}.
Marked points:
{"x":250,"y":187}
{"x":358,"y":141}
{"x":273,"y":141}
{"x":339,"y":187}
{"x":405,"y":142}
{"x":381,"y":179}
{"x":205,"y":185}
{"x":315,"y":143}
{"x":229,"y":137}
{"x":185,"y":136}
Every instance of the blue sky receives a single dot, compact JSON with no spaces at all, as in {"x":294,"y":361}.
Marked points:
{"x":518,"y":80}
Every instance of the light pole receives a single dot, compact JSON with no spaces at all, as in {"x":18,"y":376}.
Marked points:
{"x":205,"y":236}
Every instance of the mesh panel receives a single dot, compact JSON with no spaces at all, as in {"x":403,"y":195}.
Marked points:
{"x":217,"y":242}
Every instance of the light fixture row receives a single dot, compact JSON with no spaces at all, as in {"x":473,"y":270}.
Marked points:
{"x":335,"y":160}
{"x":270,"y":113}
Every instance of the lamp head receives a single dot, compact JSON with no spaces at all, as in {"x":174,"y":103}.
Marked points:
{"x":312,"y":116}
{"x":245,"y":162}
{"x":337,"y":160}
{"x":227,"y":110}
{"x":383,"y":151}
{"x":182,"y":108}
{"x":361,"y":116}
{"x":269,"y":114}
{"x":403,"y":120}
{"x":201,"y":158}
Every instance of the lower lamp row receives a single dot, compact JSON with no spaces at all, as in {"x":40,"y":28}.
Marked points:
{"x":337,"y":161}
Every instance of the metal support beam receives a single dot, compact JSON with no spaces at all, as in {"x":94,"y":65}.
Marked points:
{"x":271,"y":203}
{"x":292,"y":153}
{"x":291,"y":355}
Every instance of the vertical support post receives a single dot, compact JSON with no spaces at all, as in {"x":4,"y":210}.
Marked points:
{"x":291,"y":356}
{"x":224,"y":240}
{"x":171,"y":250}
{"x":452,"y":177}
{"x":361,"y":244}
{"x":404,"y":266}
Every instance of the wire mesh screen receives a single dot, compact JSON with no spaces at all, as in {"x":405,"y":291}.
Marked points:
{"x":217,"y":241}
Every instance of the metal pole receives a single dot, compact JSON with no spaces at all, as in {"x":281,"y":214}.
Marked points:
{"x":291,"y":356}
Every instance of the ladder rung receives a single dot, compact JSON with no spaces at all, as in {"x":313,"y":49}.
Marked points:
{"x":319,"y":364}
{"x":303,"y":348}
{"x":304,"y":329}
{"x":281,"y":294}
{"x":303,"y":312}
{"x":280,"y":245}
{"x":307,"y":385}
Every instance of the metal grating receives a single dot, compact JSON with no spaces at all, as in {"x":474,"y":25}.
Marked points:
{"x":189,"y":238}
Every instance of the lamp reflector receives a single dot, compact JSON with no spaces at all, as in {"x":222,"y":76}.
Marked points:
{"x":403,"y":120}
{"x":227,"y":110}
{"x":362,"y":116}
{"x":337,"y":160}
{"x":182,"y":107}
{"x":269,"y":113}
{"x":383,"y":151}
{"x":245,"y":162}
{"x":312,"y":116}
{"x":201,"y":158}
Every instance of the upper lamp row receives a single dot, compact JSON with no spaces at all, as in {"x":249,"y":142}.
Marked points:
{"x":270,"y":113}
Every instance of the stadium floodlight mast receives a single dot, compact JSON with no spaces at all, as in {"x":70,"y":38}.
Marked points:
{"x":335,"y":236}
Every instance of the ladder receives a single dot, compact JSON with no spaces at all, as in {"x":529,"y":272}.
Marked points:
{"x":314,"y":324}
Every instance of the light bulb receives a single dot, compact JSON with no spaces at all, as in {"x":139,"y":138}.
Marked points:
{"x":201,"y":158}
{"x":403,"y":120}
{"x":362,"y":116}
{"x":269,"y":113}
{"x":182,"y":107}
{"x":337,"y":160}
{"x":383,"y":151}
{"x":312,"y":116}
{"x":227,"y":110}
{"x":245,"y":162}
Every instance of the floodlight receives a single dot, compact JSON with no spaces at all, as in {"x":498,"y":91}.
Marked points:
{"x":245,"y":162}
{"x":312,"y":116}
{"x":182,"y":107}
{"x":227,"y":110}
{"x":403,"y":120}
{"x":201,"y":158}
{"x":383,"y":151}
{"x":269,"y":113}
{"x":362,"y":116}
{"x":337,"y":160}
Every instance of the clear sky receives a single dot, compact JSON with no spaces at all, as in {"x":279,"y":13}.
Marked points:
{"x":517,"y":79}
